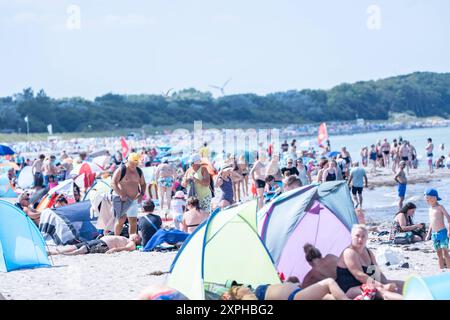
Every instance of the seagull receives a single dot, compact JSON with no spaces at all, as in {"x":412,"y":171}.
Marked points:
{"x":222,"y":88}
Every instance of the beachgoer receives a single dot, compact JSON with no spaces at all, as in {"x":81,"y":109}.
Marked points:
{"x":404,"y":154}
{"x":357,"y":180}
{"x":194,"y":216}
{"x":290,"y":168}
{"x":258,"y":175}
{"x":440,"y":163}
{"x":291,"y":182}
{"x":437,"y":231}
{"x":243,"y":169}
{"x":395,"y":155}
{"x":331,"y":173}
{"x":106,"y":244}
{"x":323,"y":290}
{"x":403,"y":222}
{"x":149,"y":223}
{"x":402,"y":181}
{"x":49,"y":169}
{"x":364,"y":156}
{"x":237,"y":178}
{"x":385,"y":149}
{"x":225,"y":183}
{"x":284,"y":146}
{"x":23,"y":203}
{"x":447,"y":162}
{"x":373,"y":158}
{"x":197,"y":181}
{"x":128,"y":185}
{"x":321,"y":267}
{"x":303,"y":173}
{"x":323,"y":165}
{"x":429,"y":150}
{"x":357,"y":266}
{"x":178,"y":206}
{"x":165,"y":176}
{"x":204,"y":151}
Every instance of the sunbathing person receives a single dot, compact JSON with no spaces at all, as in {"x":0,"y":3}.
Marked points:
{"x":106,"y":244}
{"x":23,"y":204}
{"x":322,"y":268}
{"x":357,"y":267}
{"x":326,"y":289}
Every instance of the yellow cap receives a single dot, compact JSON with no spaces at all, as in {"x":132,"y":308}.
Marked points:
{"x":133,"y":157}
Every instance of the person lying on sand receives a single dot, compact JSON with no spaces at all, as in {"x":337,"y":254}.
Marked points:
{"x":326,"y":289}
{"x":107,"y":244}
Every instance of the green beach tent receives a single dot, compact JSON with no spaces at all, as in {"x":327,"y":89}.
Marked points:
{"x":225,"y":247}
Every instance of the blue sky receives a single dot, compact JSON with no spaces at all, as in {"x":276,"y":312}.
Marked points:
{"x":150,"y":46}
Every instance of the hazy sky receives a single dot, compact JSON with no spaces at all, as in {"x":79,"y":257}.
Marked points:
{"x":149,"y":46}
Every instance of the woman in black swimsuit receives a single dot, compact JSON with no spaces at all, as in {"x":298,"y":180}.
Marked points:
{"x":331,"y":173}
{"x":357,"y":266}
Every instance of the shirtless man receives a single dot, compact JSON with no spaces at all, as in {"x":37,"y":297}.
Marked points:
{"x":49,"y":169}
{"x":400,"y":177}
{"x":36,"y":169}
{"x":437,"y":231}
{"x":106,"y":244}
{"x":404,"y":152}
{"x":127,"y":188}
{"x":385,"y":149}
{"x":165,"y":176}
{"x":258,"y":174}
{"x":23,"y":204}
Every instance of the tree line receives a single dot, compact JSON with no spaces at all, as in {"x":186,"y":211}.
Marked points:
{"x":420,"y":94}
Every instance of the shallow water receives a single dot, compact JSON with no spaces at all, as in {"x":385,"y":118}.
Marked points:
{"x":381,"y":203}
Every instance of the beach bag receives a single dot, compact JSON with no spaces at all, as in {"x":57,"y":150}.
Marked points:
{"x":403,"y":238}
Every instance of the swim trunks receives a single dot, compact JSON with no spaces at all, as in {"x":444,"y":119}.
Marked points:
{"x":440,"y":239}
{"x":260,"y":291}
{"x":293,"y":293}
{"x":119,"y":207}
{"x":260,"y":183}
{"x":401,"y":190}
{"x":94,"y":246}
{"x":356,"y":190}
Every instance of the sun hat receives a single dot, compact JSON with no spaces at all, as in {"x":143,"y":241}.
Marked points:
{"x":179,"y":194}
{"x":133,"y":157}
{"x":196,"y":159}
{"x":228,"y":167}
{"x":432,"y":193}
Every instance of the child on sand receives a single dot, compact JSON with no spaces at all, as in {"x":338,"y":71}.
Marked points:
{"x":438,"y":232}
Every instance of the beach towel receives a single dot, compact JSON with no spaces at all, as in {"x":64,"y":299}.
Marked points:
{"x":101,"y":208}
{"x":171,"y":236}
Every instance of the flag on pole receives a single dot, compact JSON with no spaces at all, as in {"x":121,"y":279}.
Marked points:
{"x":323,"y":134}
{"x":50,"y":129}
{"x":26,"y":118}
{"x":125,"y":148}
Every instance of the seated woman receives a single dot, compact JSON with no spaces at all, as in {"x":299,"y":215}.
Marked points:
{"x":194,"y":216}
{"x":357,"y":266}
{"x":326,"y":289}
{"x":106,"y":244}
{"x":322,"y":268}
{"x":403,"y":222}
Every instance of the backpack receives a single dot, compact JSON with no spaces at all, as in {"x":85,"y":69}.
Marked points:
{"x":124,"y":171}
{"x":403,"y":238}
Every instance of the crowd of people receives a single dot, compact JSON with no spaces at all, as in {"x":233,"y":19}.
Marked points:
{"x":189,"y":193}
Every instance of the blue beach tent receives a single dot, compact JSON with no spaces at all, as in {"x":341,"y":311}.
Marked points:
{"x":21,"y":244}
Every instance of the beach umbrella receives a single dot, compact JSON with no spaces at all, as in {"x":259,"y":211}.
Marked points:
{"x":5,"y":150}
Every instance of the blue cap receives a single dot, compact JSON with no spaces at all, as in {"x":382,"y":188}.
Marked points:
{"x":432,"y":193}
